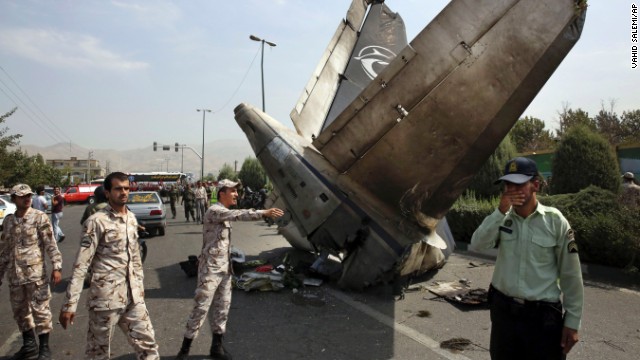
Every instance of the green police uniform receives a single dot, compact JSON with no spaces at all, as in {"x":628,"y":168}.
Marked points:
{"x":537,"y":262}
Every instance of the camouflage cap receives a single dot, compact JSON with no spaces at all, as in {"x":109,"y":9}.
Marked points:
{"x":226,"y":183}
{"x":21,"y":190}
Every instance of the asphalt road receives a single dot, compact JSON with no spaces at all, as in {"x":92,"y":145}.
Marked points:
{"x":338,"y":325}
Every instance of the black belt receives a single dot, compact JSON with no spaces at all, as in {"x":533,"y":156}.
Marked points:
{"x":499,"y":298}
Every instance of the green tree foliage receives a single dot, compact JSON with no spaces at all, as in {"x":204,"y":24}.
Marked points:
{"x":227,"y":172}
{"x":252,"y":174}
{"x":609,"y":124}
{"x":584,"y":158}
{"x":570,"y":118}
{"x":18,"y":167}
{"x":7,"y":140}
{"x":529,"y":134}
{"x":482,"y":184}
{"x":630,"y":123}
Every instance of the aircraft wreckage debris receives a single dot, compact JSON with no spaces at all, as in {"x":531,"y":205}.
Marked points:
{"x":459,"y":292}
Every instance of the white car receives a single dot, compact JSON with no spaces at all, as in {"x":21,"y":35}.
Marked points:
{"x":6,"y":208}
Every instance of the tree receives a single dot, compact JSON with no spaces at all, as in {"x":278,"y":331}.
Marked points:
{"x":584,"y":158}
{"x":18,"y":167}
{"x":630,"y":123}
{"x":227,"y":172}
{"x":482,"y":184}
{"x":529,"y":134}
{"x":252,"y":174}
{"x":7,"y":140}
{"x":609,"y":125}
{"x":570,"y":118}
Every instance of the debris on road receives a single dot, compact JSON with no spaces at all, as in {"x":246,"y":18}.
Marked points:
{"x":459,"y":344}
{"x":459,"y":292}
{"x":306,"y":297}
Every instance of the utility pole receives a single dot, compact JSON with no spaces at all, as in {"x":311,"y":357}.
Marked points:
{"x":89,"y":167}
{"x":204,"y":111}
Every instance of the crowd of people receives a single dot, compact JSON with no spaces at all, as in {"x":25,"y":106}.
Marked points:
{"x":108,"y":248}
{"x":535,"y":295}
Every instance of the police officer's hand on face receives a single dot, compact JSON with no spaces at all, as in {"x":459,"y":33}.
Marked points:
{"x":511,"y":196}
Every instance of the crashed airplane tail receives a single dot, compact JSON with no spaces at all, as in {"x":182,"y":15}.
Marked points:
{"x":369,"y":175}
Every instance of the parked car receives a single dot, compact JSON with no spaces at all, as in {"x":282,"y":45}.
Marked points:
{"x":46,"y":196}
{"x":149,"y":210}
{"x":79,"y":193}
{"x":6,"y":207}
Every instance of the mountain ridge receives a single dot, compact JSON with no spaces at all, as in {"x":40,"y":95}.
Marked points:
{"x":144,"y":159}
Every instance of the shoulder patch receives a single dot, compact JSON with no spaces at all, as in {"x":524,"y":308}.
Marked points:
{"x":572,"y":247}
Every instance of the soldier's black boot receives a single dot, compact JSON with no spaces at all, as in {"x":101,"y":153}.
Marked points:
{"x":29,"y":349}
{"x":45,"y":352}
{"x":218,"y":351}
{"x":184,"y":349}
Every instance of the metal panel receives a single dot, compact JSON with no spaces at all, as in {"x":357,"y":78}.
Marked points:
{"x":309,"y":201}
{"x":317,"y":96}
{"x":428,"y":158}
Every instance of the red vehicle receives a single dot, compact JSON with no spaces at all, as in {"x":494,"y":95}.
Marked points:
{"x":80,"y":193}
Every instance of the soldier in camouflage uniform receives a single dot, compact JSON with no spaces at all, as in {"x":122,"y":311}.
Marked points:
{"x":173,"y":198}
{"x":26,"y":236}
{"x":116,"y":295}
{"x":214,"y":268}
{"x":189,"y":200}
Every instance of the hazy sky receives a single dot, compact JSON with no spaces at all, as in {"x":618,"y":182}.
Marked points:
{"x":122,"y":74}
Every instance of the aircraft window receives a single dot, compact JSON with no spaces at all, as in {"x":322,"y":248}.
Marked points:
{"x":303,"y":184}
{"x":324,"y":197}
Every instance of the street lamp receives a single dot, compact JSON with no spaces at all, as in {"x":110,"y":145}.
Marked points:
{"x":204,"y":111}
{"x":262,"y":41}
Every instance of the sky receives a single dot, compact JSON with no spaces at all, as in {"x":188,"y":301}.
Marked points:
{"x":122,"y":74}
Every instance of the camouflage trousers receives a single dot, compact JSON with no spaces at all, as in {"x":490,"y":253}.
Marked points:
{"x":133,"y":320}
{"x":216,"y":288}
{"x":30,"y":304}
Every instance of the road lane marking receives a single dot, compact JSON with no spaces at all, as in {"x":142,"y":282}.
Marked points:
{"x":6,"y":347}
{"x":403,"y":329}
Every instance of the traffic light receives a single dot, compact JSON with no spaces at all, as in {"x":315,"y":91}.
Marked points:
{"x":155,"y":146}
{"x":177,"y":145}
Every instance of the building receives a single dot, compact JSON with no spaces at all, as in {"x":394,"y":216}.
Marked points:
{"x":79,"y":170}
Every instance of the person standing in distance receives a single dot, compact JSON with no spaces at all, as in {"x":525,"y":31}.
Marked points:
{"x":189,"y":199}
{"x":39,"y":202}
{"x":110,"y":247}
{"x":27,"y":235}
{"x":173,"y":198}
{"x":201,"y":201}
{"x":57,"y":203}
{"x":214,"y":268}
{"x":537,"y":264}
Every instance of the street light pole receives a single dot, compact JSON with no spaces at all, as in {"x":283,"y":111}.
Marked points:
{"x":204,"y":111}
{"x":262,"y":42}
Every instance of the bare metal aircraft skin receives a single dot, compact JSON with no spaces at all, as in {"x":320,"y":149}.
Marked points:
{"x":371,"y":177}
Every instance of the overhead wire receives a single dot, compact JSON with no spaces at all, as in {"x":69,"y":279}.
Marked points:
{"x":241,"y":82}
{"x":59,"y":131}
{"x":28,"y":115}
